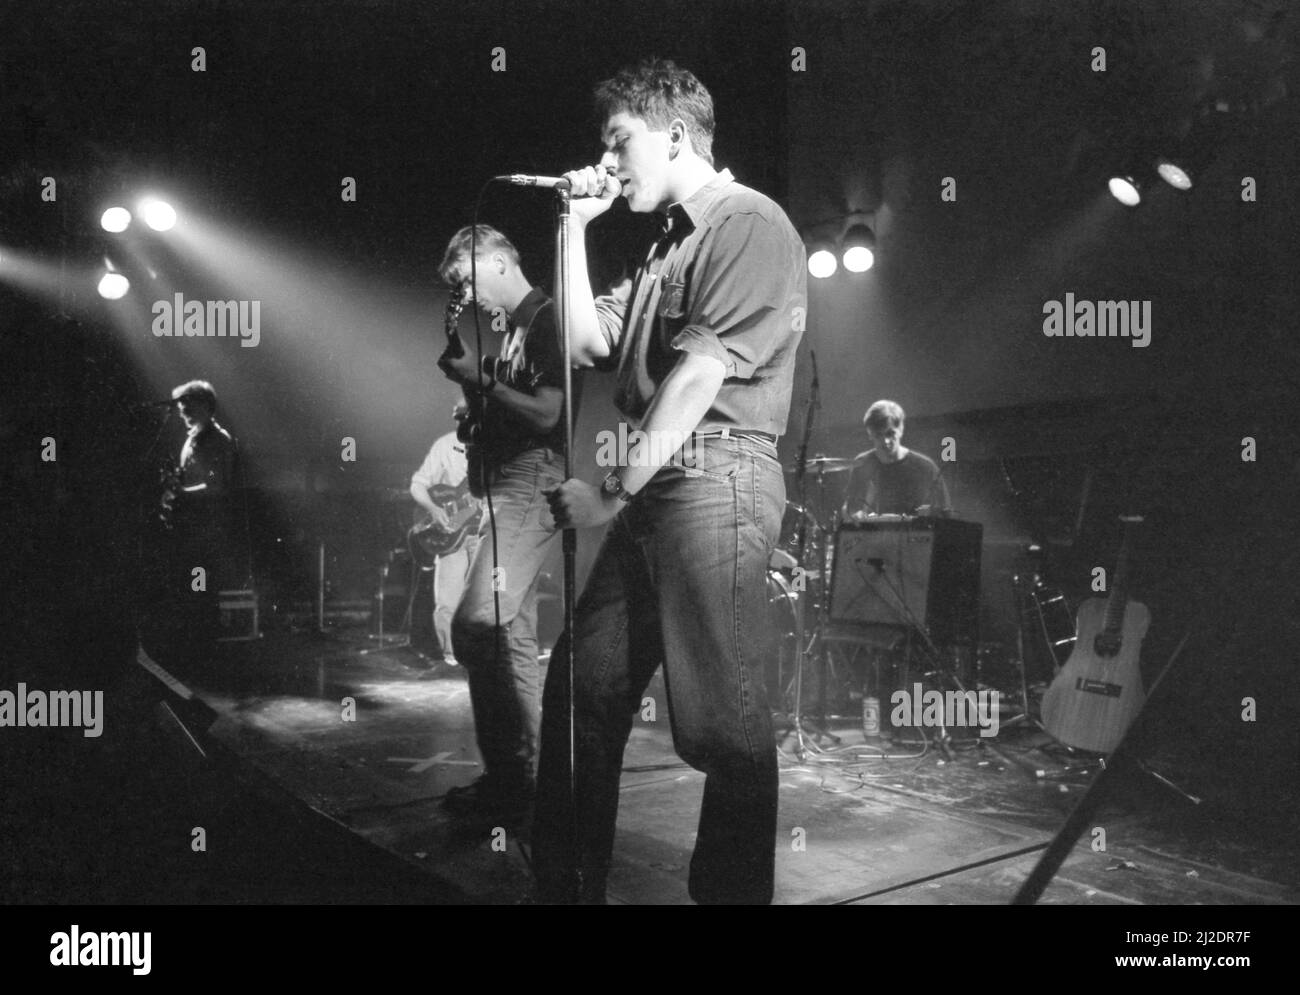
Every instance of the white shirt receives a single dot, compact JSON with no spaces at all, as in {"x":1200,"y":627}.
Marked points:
{"x":445,"y":464}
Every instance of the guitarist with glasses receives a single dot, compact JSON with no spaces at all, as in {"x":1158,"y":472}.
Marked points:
{"x":515,"y":452}
{"x":446,"y":539}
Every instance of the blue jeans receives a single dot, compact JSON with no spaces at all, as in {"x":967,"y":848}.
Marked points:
{"x":501,"y":663}
{"x":680,"y":579}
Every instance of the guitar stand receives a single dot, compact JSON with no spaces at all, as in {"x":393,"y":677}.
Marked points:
{"x":1026,"y":716}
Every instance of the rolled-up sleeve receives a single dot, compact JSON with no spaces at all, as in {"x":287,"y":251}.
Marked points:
{"x":611,"y":311}
{"x":739,"y":299}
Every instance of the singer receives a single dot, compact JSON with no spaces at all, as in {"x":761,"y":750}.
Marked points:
{"x":889,"y":478}
{"x":703,"y":344}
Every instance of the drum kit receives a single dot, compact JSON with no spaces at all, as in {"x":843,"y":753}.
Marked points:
{"x":798,"y":587}
{"x":909,"y":606}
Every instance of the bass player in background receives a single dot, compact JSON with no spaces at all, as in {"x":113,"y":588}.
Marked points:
{"x":445,"y":467}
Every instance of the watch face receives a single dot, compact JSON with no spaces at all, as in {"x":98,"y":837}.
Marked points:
{"x":612,"y":485}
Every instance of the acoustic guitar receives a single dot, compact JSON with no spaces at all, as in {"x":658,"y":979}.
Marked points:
{"x":1098,"y":693}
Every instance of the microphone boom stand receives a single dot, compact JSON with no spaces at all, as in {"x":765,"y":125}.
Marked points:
{"x":795,"y":722}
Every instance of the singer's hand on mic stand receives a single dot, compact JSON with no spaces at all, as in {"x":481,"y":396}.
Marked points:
{"x":575,"y":504}
{"x":592,"y":192}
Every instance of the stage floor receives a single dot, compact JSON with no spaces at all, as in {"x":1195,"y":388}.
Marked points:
{"x":923,"y":828}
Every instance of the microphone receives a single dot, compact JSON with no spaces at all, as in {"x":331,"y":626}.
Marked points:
{"x":146,"y":405}
{"x":542,"y":182}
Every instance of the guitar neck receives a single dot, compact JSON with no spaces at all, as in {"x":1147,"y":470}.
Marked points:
{"x":1118,"y":598}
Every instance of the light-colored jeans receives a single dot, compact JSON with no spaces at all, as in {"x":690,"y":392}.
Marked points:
{"x":450,"y":575}
{"x":501,"y":659}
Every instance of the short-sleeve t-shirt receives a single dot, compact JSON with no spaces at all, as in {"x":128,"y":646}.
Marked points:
{"x":530,"y":358}
{"x":897,"y":488}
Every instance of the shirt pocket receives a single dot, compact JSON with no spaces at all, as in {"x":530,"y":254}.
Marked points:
{"x":670,"y":312}
{"x":672,"y":302}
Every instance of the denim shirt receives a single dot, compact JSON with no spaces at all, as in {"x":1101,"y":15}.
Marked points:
{"x":725,"y":278}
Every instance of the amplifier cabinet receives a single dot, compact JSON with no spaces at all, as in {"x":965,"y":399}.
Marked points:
{"x":909,"y":571}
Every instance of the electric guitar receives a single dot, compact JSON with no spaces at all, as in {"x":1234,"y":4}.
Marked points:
{"x":1098,"y":693}
{"x":427,"y":540}
{"x":469,"y":430}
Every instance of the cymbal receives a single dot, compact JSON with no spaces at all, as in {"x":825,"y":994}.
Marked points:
{"x":825,"y":464}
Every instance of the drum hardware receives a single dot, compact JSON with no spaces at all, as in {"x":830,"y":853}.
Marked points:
{"x":400,"y":640}
{"x":397,"y":640}
{"x":795,"y":722}
{"x":1055,"y":621}
{"x":805,"y":646}
{"x":825,"y":464}
{"x":1054,"y":628}
{"x":908,"y":580}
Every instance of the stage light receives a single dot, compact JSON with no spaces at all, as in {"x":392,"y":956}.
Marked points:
{"x":1191,"y":154}
{"x":1126,"y":189}
{"x":821,"y":257}
{"x":1174,"y":174}
{"x":859,"y":241}
{"x":113,"y":286}
{"x":115,"y":219}
{"x":157,"y":214}
{"x":822,"y":263}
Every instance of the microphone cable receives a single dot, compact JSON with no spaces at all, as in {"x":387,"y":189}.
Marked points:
{"x":484,"y":433}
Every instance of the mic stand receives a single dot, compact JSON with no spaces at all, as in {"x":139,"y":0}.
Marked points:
{"x":569,"y":540}
{"x":913,"y":623}
{"x":795,"y":722}
{"x":1027,"y":717}
{"x":394,"y":641}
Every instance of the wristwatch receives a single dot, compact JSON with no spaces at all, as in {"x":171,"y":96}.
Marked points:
{"x":613,"y":486}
